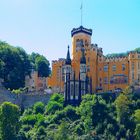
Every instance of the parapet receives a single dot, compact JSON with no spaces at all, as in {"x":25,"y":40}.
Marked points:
{"x":115,"y":59}
{"x":81,"y":29}
{"x":62,"y":60}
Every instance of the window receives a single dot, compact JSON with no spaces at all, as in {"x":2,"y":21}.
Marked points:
{"x":119,"y":79}
{"x":79,"y":43}
{"x":63,"y":70}
{"x":132,"y":65}
{"x":105,"y":80}
{"x":138,"y":56}
{"x":139,"y":77}
{"x":114,"y":67}
{"x":105,"y":68}
{"x":132,"y":56}
{"x":71,"y":90}
{"x":86,"y":43}
{"x":123,"y":67}
{"x":133,"y":76}
{"x":63,"y":77}
{"x":76,"y":90}
{"x":88,"y":68}
{"x":138,"y":65}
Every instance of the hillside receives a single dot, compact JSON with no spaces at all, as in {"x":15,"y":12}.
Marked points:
{"x":122,"y":54}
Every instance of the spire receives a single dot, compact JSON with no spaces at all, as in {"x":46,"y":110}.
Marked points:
{"x":83,"y":59}
{"x":68,"y":59}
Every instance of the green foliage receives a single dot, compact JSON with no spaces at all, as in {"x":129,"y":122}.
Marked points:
{"x":15,"y":65}
{"x":38,"y":108}
{"x":137,"y":116}
{"x":137,"y":132}
{"x":55,"y":104}
{"x":122,"y":54}
{"x":122,"y":107}
{"x":17,"y":91}
{"x":52,"y":107}
{"x":57,"y":97}
{"x":40,"y":64}
{"x":97,"y":117}
{"x":116,"y":55}
{"x":9,"y":122}
{"x":62,"y":133}
{"x":137,"y":49}
{"x":85,"y":110}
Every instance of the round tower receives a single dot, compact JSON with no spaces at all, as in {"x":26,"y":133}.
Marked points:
{"x":80,"y":37}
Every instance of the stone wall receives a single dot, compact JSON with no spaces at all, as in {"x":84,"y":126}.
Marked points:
{"x":23,"y":100}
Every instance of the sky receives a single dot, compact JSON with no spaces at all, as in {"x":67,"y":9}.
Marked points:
{"x":44,"y":26}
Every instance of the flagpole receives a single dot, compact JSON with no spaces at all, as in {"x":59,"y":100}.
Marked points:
{"x":81,"y":12}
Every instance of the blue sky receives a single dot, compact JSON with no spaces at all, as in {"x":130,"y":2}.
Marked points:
{"x":44,"y":26}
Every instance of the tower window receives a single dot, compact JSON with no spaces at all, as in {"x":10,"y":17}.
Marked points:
{"x":139,"y":77}
{"x":88,"y":68}
{"x":123,"y":67}
{"x":79,"y":43}
{"x":105,"y":68}
{"x":132,"y":65}
{"x":114,"y":67}
{"x":133,"y":76}
{"x":105,"y":80}
{"x":86,"y":43}
{"x":138,"y":65}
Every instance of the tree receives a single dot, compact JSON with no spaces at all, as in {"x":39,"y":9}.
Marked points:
{"x":9,"y":122}
{"x":62,"y":132}
{"x":85,"y":111}
{"x":57,"y":97}
{"x":52,"y":107}
{"x":40,"y":64}
{"x":122,"y":107}
{"x":38,"y":108}
{"x":15,"y":65}
{"x":1,"y":68}
{"x":137,"y":116}
{"x":137,"y":132}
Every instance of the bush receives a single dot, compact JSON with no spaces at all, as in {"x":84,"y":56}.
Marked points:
{"x":52,"y":107}
{"x":38,"y":107}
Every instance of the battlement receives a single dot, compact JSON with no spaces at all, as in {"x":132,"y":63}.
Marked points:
{"x":81,"y":29}
{"x":60,"y":60}
{"x":115,"y":59}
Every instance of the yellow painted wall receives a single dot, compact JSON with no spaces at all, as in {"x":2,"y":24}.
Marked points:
{"x":95,"y":62}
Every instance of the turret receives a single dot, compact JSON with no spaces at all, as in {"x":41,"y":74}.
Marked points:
{"x":67,"y":76}
{"x":68,"y":64}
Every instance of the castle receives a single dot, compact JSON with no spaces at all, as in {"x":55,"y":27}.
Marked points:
{"x":96,"y":72}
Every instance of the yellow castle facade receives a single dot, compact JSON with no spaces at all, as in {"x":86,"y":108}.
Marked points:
{"x":105,"y":73}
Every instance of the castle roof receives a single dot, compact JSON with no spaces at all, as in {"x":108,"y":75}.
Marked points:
{"x":68,"y":59}
{"x":81,"y":29}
